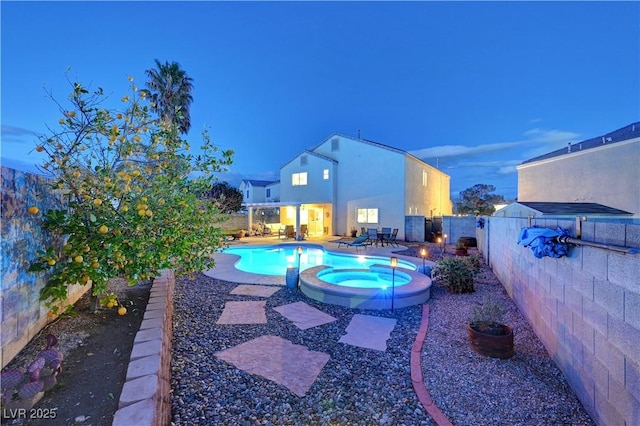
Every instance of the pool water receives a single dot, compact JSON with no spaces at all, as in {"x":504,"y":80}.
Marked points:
{"x":364,"y":279}
{"x":274,"y":260}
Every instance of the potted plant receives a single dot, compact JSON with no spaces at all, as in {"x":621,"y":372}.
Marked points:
{"x":488,"y":336}
{"x":354,"y":231}
{"x":461,"y":248}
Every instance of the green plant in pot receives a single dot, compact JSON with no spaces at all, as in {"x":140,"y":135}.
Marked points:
{"x":488,"y":336}
{"x":461,"y":248}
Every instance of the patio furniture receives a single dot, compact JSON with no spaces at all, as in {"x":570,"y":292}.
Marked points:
{"x":361,"y":241}
{"x":304,"y":230}
{"x":391,"y":239}
{"x":287,"y":232}
{"x":372,"y":234}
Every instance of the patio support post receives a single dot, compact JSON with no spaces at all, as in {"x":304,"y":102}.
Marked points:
{"x":250,"y":217}
{"x":298,"y":236}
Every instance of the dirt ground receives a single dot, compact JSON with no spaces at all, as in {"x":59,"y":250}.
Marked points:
{"x":96,"y":349}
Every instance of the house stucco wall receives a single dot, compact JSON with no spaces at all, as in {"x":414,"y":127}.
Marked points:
{"x":584,"y":307}
{"x":607,"y":175}
{"x":430,"y":199}
{"x":317,"y":188}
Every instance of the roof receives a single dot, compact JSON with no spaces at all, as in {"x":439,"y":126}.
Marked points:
{"x":260,"y":183}
{"x":628,"y":132}
{"x":572,"y":208}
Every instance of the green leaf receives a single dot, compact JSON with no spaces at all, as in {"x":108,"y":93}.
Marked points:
{"x":92,"y":217}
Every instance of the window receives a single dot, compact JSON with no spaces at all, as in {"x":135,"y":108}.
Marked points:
{"x":303,"y":160}
{"x":268,"y":192}
{"x":424,"y":178}
{"x":247,"y":194}
{"x":298,"y":179}
{"x":367,"y":215}
{"x":335,"y":144}
{"x":325,"y":174}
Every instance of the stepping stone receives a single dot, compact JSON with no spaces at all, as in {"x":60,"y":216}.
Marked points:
{"x":304,"y":316}
{"x":367,"y":331}
{"x":249,"y":312}
{"x":255,"y":290}
{"x":279,"y":360}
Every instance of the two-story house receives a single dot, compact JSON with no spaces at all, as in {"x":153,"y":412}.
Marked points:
{"x":346,"y":182}
{"x":603,"y":170}
{"x":259,"y":191}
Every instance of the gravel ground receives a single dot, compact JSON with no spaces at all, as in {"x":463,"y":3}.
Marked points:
{"x":362,"y":386}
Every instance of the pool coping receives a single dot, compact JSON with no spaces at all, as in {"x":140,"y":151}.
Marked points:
{"x":416,"y":292}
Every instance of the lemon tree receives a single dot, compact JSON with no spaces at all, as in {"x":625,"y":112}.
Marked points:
{"x":133,"y":190}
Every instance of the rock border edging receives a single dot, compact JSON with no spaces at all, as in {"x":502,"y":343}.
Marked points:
{"x":145,"y":397}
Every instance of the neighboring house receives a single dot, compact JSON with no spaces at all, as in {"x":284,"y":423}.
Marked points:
{"x":259,"y":191}
{"x":602,"y":170}
{"x":560,"y":210}
{"x":346,"y":182}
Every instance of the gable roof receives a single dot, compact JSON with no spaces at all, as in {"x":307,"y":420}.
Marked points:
{"x":259,"y":183}
{"x":628,"y":132}
{"x":315,"y":154}
{"x":374,"y":143}
{"x":572,"y":208}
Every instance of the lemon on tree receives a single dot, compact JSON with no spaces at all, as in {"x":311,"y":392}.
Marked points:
{"x":127,"y":160}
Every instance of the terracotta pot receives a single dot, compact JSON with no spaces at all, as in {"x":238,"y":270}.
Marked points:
{"x":492,"y":345}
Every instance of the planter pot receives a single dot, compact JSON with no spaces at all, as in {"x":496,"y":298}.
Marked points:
{"x":461,"y":252}
{"x":492,"y":345}
{"x":291,"y":278}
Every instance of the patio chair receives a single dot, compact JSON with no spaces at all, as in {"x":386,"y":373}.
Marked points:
{"x":372,"y":233}
{"x":287,"y":232}
{"x":360,"y":241}
{"x":304,"y":230}
{"x":391,"y":240}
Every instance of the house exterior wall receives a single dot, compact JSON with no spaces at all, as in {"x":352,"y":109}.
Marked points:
{"x":272,"y":192}
{"x":368,"y":176}
{"x":317,"y":188}
{"x":428,"y":198}
{"x":584,"y":307}
{"x":251,"y":193}
{"x":607,"y":175}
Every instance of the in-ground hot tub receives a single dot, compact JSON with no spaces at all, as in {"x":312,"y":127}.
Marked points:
{"x":371,"y":288}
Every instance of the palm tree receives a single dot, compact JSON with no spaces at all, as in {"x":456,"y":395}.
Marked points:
{"x":169,"y":88}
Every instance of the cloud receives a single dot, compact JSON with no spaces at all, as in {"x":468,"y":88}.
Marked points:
{"x":17,"y":135}
{"x":537,"y":138}
{"x":444,"y":151}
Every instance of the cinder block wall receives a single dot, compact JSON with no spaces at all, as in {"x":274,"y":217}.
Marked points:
{"x":22,"y":315}
{"x":584,"y":307}
{"x":458,"y":226}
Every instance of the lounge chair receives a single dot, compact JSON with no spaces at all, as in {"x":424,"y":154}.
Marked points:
{"x":372,"y":233}
{"x":360,"y":241}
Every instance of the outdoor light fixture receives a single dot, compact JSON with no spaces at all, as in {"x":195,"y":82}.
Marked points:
{"x":423,"y":254}
{"x":299,"y":256}
{"x":444,"y":244}
{"x":394,"y":263}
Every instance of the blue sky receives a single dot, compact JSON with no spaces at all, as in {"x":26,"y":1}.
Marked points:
{"x":474,"y":87}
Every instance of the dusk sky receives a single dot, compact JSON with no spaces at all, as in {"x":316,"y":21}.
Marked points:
{"x":472,"y":87}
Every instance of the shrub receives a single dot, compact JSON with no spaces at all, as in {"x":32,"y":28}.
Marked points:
{"x":457,"y":273}
{"x":488,"y":312}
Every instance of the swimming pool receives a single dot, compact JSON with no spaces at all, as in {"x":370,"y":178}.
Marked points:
{"x":274,"y":260}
